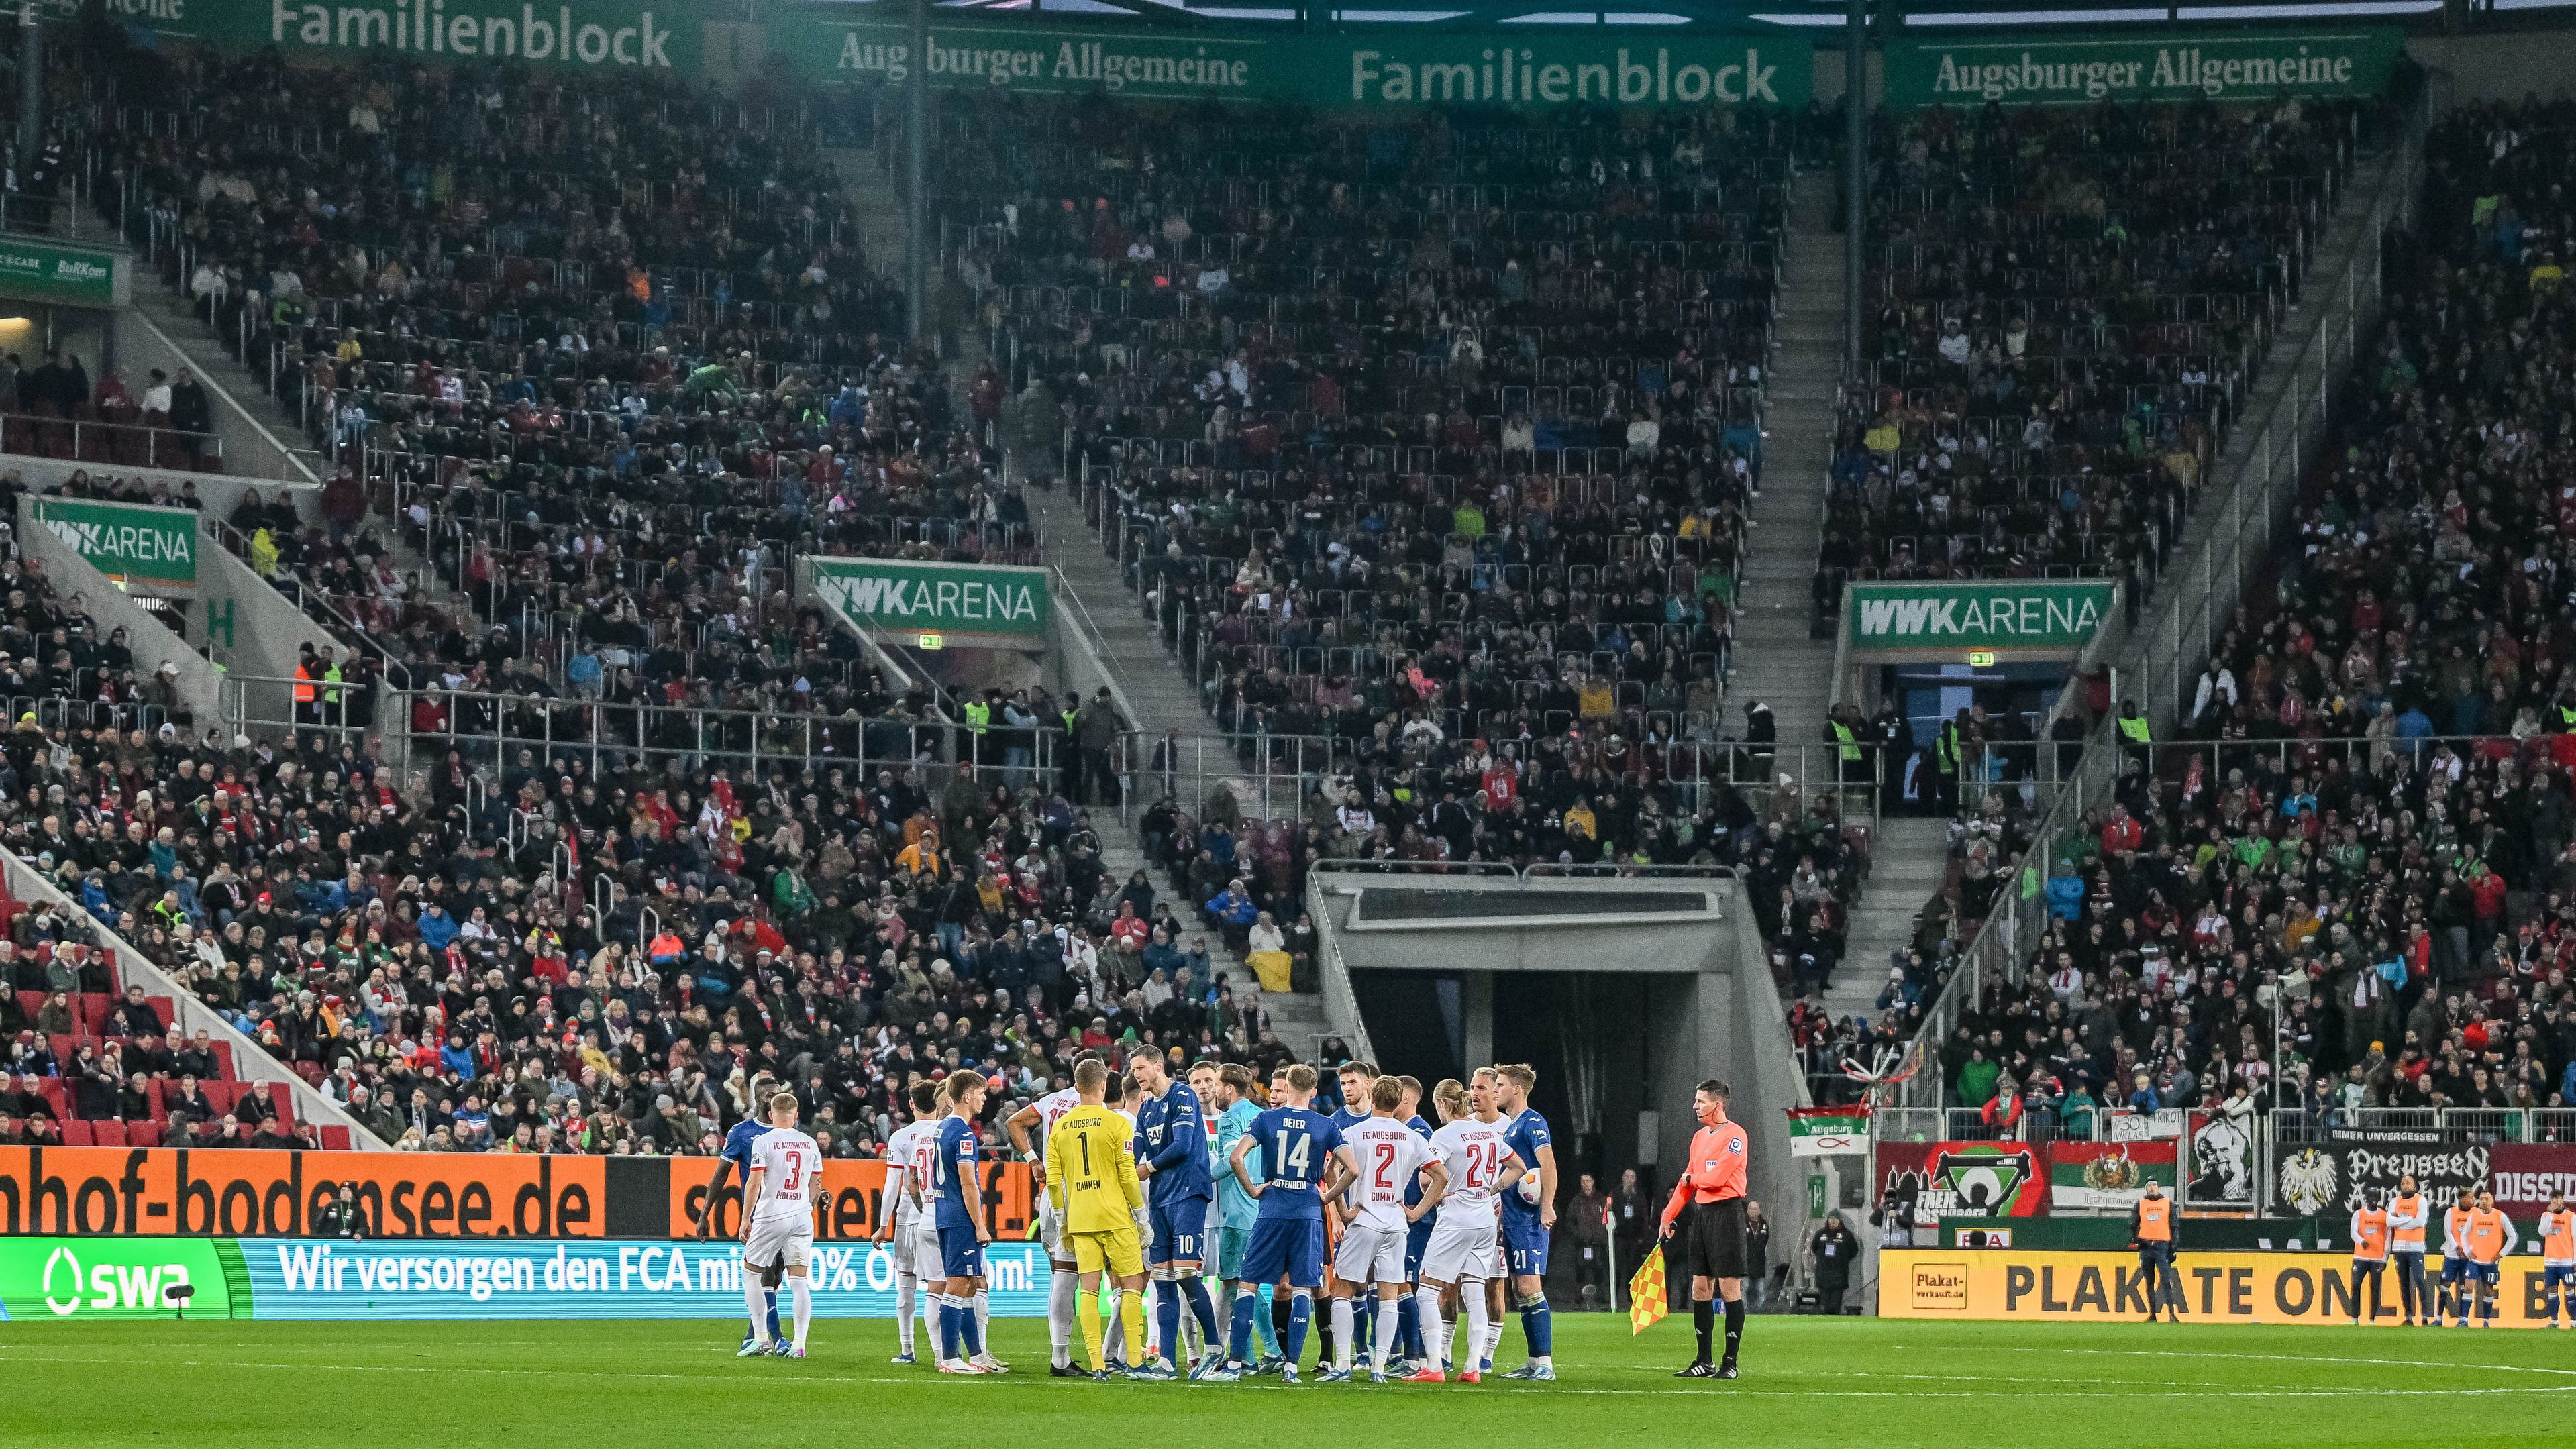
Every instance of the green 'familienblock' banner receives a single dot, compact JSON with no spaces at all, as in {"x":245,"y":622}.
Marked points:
{"x":134,"y":544}
{"x":2025,"y":618}
{"x":971,"y":602}
{"x":600,"y":34}
{"x":1380,"y":68}
{"x":2166,"y":66}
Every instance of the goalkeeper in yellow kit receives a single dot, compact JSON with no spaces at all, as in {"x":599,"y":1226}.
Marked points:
{"x":1091,"y":1179}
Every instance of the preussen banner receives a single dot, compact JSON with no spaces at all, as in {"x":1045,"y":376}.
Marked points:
{"x":2028,"y":617}
{"x":904,"y":598}
{"x":2241,"y":65}
{"x":132,"y":543}
{"x":2332,"y":1178}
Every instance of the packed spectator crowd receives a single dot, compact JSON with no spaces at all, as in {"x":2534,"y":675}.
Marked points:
{"x":605,"y":348}
{"x":2067,"y":308}
{"x":2349,"y":886}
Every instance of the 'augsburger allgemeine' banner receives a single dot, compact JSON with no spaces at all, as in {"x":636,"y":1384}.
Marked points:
{"x":1383,"y":67}
{"x":2164,"y":66}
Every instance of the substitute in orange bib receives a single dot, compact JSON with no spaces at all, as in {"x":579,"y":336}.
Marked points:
{"x":2455,"y":1258}
{"x":1705,"y":1224}
{"x":2488,"y":1235}
{"x":2369,"y":1254}
{"x":2408,"y":1212}
{"x":2558,"y":1259}
{"x":2151,"y":1232}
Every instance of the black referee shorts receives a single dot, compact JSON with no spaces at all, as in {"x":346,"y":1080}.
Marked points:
{"x":1708,"y":1241}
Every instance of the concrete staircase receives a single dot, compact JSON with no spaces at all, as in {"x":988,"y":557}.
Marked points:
{"x":1908,"y":864}
{"x":1775,"y":660}
{"x":1162,"y":698}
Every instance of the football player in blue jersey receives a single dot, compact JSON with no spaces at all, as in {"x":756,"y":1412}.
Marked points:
{"x":1528,"y":1218}
{"x":1297,"y":1145}
{"x":1171,"y":1155}
{"x":735,"y":1156}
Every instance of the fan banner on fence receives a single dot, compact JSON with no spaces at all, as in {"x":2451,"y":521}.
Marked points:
{"x":2222,"y":1164}
{"x":2106,"y":1177}
{"x":1646,"y":1293}
{"x":1827,"y":1131}
{"x":2526,"y":1173}
{"x":2332,"y":1178}
{"x":1961,"y":1179}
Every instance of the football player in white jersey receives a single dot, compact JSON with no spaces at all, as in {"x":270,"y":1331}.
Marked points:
{"x":1465,"y":1248}
{"x":1391,"y":1157}
{"x":778,"y":1232}
{"x":1029,"y":1127}
{"x":902,"y":1224}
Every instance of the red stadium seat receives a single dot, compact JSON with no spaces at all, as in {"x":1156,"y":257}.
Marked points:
{"x":336,"y":1138}
{"x":160,"y":1108}
{"x":143,"y":1134}
{"x":224,"y":1061}
{"x":282,"y":1098}
{"x":57,"y":1095}
{"x":310,"y":1071}
{"x":76,"y":1133}
{"x":166,"y":1009}
{"x":107,"y":1134}
{"x":90,"y":1009}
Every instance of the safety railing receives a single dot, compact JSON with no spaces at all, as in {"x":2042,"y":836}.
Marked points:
{"x":117,"y":445}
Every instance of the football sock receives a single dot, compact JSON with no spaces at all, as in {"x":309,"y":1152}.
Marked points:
{"x":983,"y":1316}
{"x":1202,"y":1307}
{"x":905,"y":1288}
{"x":1167,"y":1319}
{"x":800,"y":1295}
{"x":968,"y":1329}
{"x":1490,"y":1339}
{"x":1384,"y":1339}
{"x":1063,"y":1302}
{"x":1301,"y":1312}
{"x":1117,"y":1327}
{"x":756,"y":1299}
{"x":1238,"y":1347}
{"x":1703,"y":1319}
{"x":1086,"y":1312}
{"x":1364,"y":1314}
{"x":1427,"y":1312}
{"x":1538,"y":1327}
{"x":1131,"y":1318}
{"x":1734,"y":1327}
{"x":1264,"y":1325}
{"x":1343,"y":1324}
{"x":1408,"y":1326}
{"x":771,"y":1294}
{"x":946,"y":1308}
{"x":1472,"y":1352}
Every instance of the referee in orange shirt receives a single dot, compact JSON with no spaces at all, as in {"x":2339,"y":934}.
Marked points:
{"x":1705,"y":1224}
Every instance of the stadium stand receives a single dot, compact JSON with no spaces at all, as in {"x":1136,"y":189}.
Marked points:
{"x":2344,"y":889}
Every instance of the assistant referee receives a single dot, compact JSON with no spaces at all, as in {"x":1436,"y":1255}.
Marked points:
{"x":1705,"y":1224}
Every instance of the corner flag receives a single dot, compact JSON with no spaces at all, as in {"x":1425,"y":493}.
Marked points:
{"x":1646,"y":1293}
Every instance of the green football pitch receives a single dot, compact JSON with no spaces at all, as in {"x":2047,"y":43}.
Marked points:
{"x":1814,"y":1381}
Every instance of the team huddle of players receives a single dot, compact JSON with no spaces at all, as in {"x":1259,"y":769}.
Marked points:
{"x":2389,"y":1229}
{"x":1149,"y":1179}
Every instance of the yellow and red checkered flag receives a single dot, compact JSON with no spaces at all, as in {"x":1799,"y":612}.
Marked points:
{"x":1646,"y":1293}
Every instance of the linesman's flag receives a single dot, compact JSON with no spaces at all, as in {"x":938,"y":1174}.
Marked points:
{"x":1646,"y":1293}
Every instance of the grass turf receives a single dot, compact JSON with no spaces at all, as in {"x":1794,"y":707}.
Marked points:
{"x":1807,"y":1381}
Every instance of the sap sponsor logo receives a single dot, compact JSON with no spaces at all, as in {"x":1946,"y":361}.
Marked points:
{"x":1941,"y":1287}
{"x":71,"y":1288}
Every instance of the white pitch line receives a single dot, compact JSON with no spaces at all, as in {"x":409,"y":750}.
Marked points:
{"x":2052,"y":1392}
